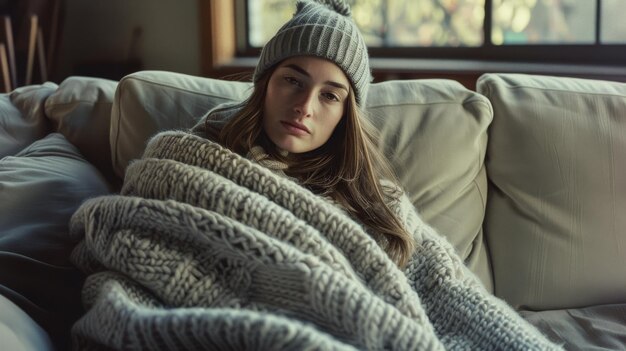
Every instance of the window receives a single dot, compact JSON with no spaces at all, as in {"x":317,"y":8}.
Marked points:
{"x":387,"y":23}
{"x":612,"y":24}
{"x":543,"y":22}
{"x":565,"y":31}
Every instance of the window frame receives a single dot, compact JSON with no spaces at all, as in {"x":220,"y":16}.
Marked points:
{"x":584,"y":54}
{"x":224,"y":55}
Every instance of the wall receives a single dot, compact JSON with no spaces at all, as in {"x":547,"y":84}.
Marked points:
{"x":97,"y":35}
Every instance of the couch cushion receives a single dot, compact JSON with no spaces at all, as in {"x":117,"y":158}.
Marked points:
{"x":433,"y":131}
{"x":40,"y":188}
{"x":151,"y":101}
{"x":556,"y":224}
{"x":599,"y":327}
{"x":80,"y":109}
{"x":22,"y":118}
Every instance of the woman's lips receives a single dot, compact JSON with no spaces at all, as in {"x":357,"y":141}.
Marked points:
{"x":295,"y":128}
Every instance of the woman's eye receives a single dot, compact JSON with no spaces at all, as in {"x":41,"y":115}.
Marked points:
{"x":331,"y":97}
{"x":294,"y":81}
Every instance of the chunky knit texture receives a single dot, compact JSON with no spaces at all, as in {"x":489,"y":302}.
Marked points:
{"x":323,"y":29}
{"x":204,"y":249}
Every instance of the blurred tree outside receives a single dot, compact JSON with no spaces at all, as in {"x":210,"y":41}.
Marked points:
{"x":459,"y":23}
{"x":386,"y":23}
{"x":543,"y":22}
{"x":613,"y":26}
{"x":265,"y":17}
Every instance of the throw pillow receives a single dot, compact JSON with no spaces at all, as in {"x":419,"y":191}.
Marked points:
{"x":40,"y":188}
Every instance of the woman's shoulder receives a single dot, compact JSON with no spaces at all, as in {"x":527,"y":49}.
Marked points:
{"x":212,"y":122}
{"x":391,"y":191}
{"x":397,"y":199}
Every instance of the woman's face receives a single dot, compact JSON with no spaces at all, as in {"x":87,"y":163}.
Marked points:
{"x":305,"y":100}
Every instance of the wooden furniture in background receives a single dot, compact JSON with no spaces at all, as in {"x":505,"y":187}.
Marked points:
{"x":4,"y":64}
{"x":30,"y":36}
{"x":30,"y":53}
{"x":217,"y":35}
{"x":8,"y":42}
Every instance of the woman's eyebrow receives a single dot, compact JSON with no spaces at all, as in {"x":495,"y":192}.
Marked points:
{"x":302,"y":71}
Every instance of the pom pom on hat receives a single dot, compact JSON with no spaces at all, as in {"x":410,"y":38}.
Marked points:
{"x":324,"y":29}
{"x":339,"y":6}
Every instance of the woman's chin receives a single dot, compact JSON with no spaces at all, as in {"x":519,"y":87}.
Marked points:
{"x":291,"y":146}
{"x":287,"y":149}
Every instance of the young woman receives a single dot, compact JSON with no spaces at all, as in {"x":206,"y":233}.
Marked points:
{"x":215,"y":253}
{"x":304,"y":119}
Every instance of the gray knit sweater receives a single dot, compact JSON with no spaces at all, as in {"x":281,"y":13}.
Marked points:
{"x":204,"y":249}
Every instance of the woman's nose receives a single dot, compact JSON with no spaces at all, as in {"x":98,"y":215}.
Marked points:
{"x":304,"y":104}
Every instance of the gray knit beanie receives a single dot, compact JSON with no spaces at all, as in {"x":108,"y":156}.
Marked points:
{"x":324,"y":29}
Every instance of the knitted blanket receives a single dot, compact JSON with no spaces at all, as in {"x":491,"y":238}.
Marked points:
{"x":204,"y":249}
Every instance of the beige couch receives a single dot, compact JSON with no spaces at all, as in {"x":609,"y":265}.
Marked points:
{"x":526,"y":177}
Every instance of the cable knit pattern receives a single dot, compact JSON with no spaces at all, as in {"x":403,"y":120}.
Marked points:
{"x":204,"y":249}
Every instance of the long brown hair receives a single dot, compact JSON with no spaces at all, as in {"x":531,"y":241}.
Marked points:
{"x":351,"y":176}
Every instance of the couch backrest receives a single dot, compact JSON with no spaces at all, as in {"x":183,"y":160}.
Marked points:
{"x":80,"y":109}
{"x":147,"y":102}
{"x":557,"y":192}
{"x":556,"y":213}
{"x":22,"y":117}
{"x":433,"y":131}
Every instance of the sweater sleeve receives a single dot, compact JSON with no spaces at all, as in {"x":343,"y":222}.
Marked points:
{"x":209,"y":125}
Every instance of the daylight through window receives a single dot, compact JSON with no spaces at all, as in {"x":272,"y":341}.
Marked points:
{"x":462,"y":23}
